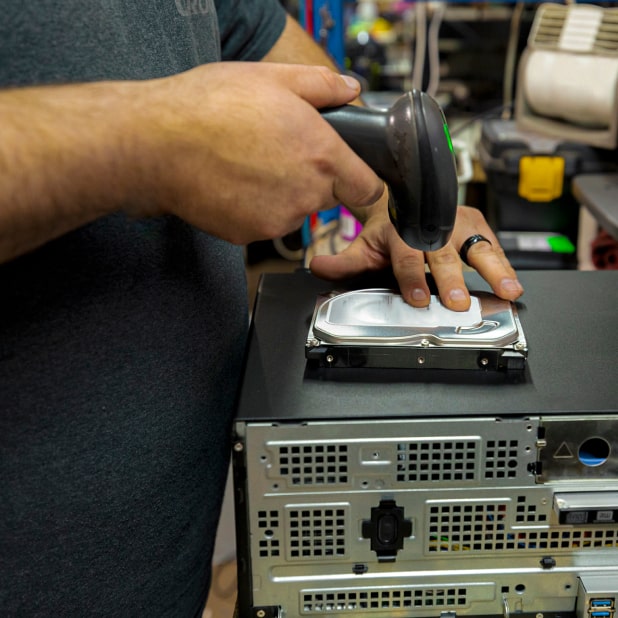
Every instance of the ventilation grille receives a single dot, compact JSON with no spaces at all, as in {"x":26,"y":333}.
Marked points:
{"x":314,"y":464}
{"x":501,"y":459}
{"x":327,"y":603}
{"x":478,"y":527}
{"x":317,"y":533}
{"x":268,"y":524}
{"x":569,"y":540}
{"x":484,"y":528}
{"x":435,"y":461}
{"x":581,"y":29}
{"x":429,"y":460}
{"x":527,"y":513}
{"x":455,"y":460}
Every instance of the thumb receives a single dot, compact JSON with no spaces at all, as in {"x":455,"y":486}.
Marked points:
{"x":320,"y":86}
{"x":350,"y":262}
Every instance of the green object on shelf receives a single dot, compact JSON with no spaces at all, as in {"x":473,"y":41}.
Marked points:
{"x":561,"y":244}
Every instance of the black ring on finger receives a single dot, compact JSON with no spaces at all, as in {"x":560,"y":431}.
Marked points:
{"x":463,"y":252}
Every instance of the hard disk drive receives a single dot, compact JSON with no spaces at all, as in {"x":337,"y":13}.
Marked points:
{"x":376,"y":328}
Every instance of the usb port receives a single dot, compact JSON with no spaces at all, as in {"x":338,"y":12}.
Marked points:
{"x":600,"y":613}
{"x":600,"y":603}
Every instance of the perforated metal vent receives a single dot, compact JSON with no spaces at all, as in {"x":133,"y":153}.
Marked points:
{"x":449,"y":460}
{"x":314,"y":464}
{"x":317,"y":533}
{"x":583,"y":29}
{"x":484,"y":527}
{"x":569,"y":540}
{"x":528,"y":513}
{"x":501,"y":459}
{"x":465,"y":527}
{"x":327,"y":603}
{"x":268,"y":524}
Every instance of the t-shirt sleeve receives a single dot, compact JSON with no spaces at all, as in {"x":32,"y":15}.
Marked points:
{"x":249,"y":28}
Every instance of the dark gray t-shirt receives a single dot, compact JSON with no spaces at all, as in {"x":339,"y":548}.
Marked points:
{"x":120,"y":345}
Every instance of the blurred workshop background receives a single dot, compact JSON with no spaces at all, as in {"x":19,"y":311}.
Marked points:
{"x":529,"y":91}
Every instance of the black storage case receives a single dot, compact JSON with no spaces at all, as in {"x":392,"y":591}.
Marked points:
{"x":501,"y":149}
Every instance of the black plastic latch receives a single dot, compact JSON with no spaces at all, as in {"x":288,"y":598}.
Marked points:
{"x":547,"y":562}
{"x":360,"y":568}
{"x":386,"y":530}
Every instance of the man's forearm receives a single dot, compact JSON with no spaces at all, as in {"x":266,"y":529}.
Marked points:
{"x":295,"y":46}
{"x":57,"y":158}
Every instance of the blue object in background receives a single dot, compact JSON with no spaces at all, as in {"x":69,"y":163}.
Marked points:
{"x":323,"y":19}
{"x":328,"y":28}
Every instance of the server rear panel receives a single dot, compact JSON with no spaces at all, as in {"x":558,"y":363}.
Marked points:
{"x":428,"y":517}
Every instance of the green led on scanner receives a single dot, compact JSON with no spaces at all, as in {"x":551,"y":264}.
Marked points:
{"x":448,"y":136}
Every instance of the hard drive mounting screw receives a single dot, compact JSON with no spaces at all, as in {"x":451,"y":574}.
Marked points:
{"x":519,"y":346}
{"x":425,"y":343}
{"x":330,"y":358}
{"x":260,"y":613}
{"x":238,"y":447}
{"x":484,"y":361}
{"x":421,"y":360}
{"x":312,"y":343}
{"x":539,"y":615}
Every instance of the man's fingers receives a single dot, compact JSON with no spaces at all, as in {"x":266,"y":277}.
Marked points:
{"x":409,"y":270}
{"x":353,"y":260}
{"x":355,"y":184}
{"x":446,"y":269}
{"x":319,"y":85}
{"x":488,"y":258}
{"x":334,"y":267}
{"x":492,"y":264}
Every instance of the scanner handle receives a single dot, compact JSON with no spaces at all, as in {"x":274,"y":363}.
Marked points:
{"x":409,"y":147}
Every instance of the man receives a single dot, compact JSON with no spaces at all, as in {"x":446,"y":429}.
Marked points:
{"x":133,"y":165}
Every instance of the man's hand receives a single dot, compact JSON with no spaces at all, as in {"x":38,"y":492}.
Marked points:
{"x":236,"y":149}
{"x":248,"y":155}
{"x":379,"y":246}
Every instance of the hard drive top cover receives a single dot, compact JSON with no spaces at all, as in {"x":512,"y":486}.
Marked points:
{"x":568,"y":317}
{"x":379,"y":316}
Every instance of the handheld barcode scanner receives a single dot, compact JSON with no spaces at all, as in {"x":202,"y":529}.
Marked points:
{"x":409,"y":147}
